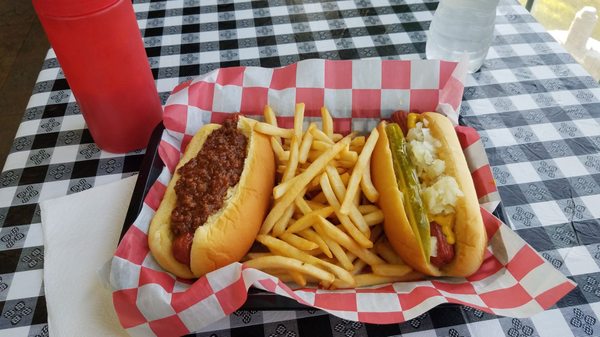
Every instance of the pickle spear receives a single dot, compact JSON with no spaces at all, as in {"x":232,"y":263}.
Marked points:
{"x":408,"y":182}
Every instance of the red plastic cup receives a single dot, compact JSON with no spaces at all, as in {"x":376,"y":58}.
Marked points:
{"x":100,"y":49}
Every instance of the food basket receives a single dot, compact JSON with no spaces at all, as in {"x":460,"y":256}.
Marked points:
{"x":514,"y":280}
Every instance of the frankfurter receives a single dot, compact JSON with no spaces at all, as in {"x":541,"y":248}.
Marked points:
{"x":431,"y":212}
{"x":215,"y":203}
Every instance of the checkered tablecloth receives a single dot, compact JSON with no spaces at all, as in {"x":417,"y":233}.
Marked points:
{"x":536,"y":109}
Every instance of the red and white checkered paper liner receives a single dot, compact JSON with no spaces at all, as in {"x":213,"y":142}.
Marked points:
{"x":513,"y":280}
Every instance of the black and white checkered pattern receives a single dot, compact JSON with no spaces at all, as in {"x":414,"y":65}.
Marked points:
{"x":537,"y":111}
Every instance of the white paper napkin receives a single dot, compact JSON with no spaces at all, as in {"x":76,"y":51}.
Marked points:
{"x":81,"y":231}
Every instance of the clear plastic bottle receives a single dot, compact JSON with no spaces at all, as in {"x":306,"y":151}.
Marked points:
{"x":459,"y":27}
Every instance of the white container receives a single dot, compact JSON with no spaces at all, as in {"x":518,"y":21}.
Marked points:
{"x":459,"y":27}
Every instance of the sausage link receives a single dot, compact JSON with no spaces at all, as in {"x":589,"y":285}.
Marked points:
{"x":182,"y":247}
{"x":445,"y":251}
{"x":400,"y":117}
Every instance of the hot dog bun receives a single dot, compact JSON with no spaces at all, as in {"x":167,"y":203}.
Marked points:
{"x":228,"y":234}
{"x":469,"y":229}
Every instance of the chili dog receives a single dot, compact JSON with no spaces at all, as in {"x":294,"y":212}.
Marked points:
{"x":216,"y":200}
{"x":431,"y":211}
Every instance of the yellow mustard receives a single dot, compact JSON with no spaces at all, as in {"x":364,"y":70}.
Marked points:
{"x":447,"y":224}
{"x":412,"y":119}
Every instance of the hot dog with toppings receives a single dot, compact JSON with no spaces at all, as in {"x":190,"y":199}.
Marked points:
{"x":432,"y":216}
{"x":216,"y":200}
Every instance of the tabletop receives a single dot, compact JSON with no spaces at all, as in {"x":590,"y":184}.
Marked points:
{"x":536,"y":109}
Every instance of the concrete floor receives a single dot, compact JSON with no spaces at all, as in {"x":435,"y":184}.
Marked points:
{"x":23,"y":47}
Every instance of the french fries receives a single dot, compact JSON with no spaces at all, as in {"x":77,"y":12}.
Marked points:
{"x":283,"y":262}
{"x":327,"y":122}
{"x":324,"y":226}
{"x":363,"y":160}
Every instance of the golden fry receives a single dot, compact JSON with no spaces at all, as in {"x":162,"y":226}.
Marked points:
{"x":354,"y":207}
{"x":299,"y":120}
{"x":358,"y":141}
{"x":339,"y":284}
{"x":356,"y":233}
{"x":367,"y":187}
{"x":306,"y":144}
{"x":272,"y":130}
{"x":374,"y":218}
{"x":348,"y":156}
{"x":365,"y":209}
{"x":336,"y":137}
{"x":298,"y":182}
{"x":313,"y":155}
{"x":346,"y":241}
{"x":359,"y":220}
{"x":308,"y":219}
{"x":298,"y":242}
{"x":289,"y":263}
{"x":327,"y":122}
{"x":285,"y":276}
{"x":286,"y":249}
{"x":311,"y":235}
{"x":344,"y":164}
{"x":393,"y":270}
{"x":280,"y":153}
{"x":282,"y":223}
{"x":366,"y":280}
{"x":292,"y":163}
{"x":336,"y":182}
{"x":269,"y":115}
{"x":340,"y":191}
{"x":337,"y":251}
{"x":302,"y":205}
{"x":363,"y":160}
{"x":320,"y":146}
{"x":359,"y":266}
{"x":298,"y":278}
{"x":320,"y":135}
{"x":271,"y":119}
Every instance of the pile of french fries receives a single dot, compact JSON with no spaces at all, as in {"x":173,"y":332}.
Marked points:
{"x":324,"y":227}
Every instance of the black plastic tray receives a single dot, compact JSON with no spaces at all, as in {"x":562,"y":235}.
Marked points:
{"x":151,"y":168}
